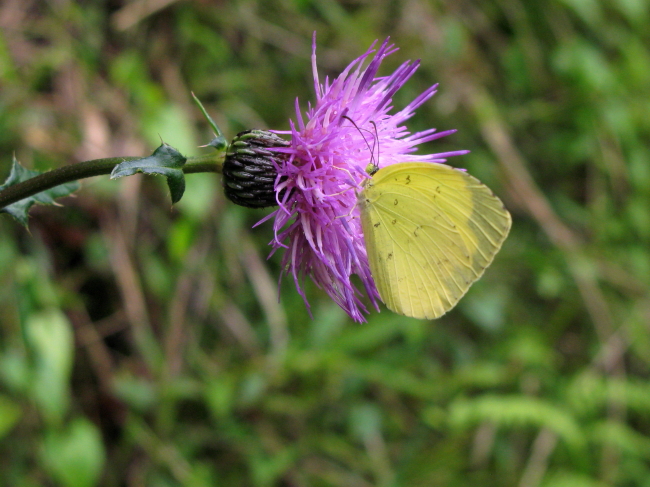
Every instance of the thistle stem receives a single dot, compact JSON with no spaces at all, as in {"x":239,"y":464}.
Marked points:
{"x":95,"y":167}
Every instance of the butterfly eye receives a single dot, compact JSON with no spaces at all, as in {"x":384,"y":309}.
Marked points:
{"x":372,"y":168}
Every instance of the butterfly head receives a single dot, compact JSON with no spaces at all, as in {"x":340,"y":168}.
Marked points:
{"x":372,"y":168}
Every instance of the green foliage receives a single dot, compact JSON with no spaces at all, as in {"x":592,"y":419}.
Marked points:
{"x":19,"y":209}
{"x":74,"y":456}
{"x":146,"y":346}
{"x":165,"y":161}
{"x":49,"y":342}
{"x":9,"y":414}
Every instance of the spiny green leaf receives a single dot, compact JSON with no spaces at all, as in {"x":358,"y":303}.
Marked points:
{"x":165,"y":161}
{"x":19,"y":210}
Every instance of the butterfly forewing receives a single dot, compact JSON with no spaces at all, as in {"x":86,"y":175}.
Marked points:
{"x":430,"y":232}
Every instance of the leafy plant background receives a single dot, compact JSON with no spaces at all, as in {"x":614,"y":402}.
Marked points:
{"x":143,"y":345}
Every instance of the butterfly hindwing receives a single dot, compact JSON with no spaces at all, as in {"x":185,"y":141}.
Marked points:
{"x":430,"y":231}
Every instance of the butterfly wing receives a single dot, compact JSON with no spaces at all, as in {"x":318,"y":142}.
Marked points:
{"x":430,"y":231}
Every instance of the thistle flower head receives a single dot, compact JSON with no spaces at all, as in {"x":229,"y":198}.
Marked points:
{"x":249,"y":168}
{"x":349,"y":129}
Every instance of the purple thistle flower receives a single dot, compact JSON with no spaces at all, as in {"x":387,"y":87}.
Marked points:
{"x":319,"y":175}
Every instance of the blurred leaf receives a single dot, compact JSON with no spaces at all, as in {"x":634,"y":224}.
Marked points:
{"x":253,"y":387}
{"x":589,"y":10}
{"x":634,"y":393}
{"x":197,"y":203}
{"x":485,"y":304}
{"x":587,"y":65}
{"x":623,"y":437}
{"x":172,"y":124}
{"x":267,"y":470}
{"x":528,"y":348}
{"x":365,"y":421}
{"x":156,"y":272}
{"x":202,"y":475}
{"x":220,"y":395}
{"x":165,"y":161}
{"x":586,"y":393}
{"x":181,"y":237}
{"x":7,"y":65}
{"x":636,"y":11}
{"x":74,"y":456}
{"x":434,"y":417}
{"x":516,"y":411}
{"x":550,"y":282}
{"x":15,"y":371}
{"x":571,"y":479}
{"x":369,"y":336}
{"x":137,"y":392}
{"x":19,"y":210}
{"x":50,"y":339}
{"x":10,"y":413}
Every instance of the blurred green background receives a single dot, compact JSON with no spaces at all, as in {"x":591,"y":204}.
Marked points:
{"x":143,"y":345}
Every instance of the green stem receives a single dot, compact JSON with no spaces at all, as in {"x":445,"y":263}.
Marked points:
{"x":96,"y":167}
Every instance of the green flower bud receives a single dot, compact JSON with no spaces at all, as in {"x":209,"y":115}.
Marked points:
{"x":248,"y":171}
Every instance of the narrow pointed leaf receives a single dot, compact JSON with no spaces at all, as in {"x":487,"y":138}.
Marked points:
{"x":20,"y":209}
{"x":165,"y":161}
{"x":219,"y":142}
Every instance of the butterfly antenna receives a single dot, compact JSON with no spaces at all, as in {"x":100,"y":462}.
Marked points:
{"x":378,"y":146}
{"x":372,"y":167}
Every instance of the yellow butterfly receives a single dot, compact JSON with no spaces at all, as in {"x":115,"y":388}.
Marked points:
{"x":430,"y":231}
